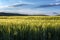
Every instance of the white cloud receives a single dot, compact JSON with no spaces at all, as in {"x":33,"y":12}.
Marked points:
{"x":6,"y":7}
{"x":10,"y":6}
{"x":30,"y":12}
{"x":3,"y":7}
{"x":54,"y":3}
{"x":24,"y":11}
{"x":22,"y":2}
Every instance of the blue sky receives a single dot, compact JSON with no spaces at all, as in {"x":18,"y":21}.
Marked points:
{"x":30,"y":6}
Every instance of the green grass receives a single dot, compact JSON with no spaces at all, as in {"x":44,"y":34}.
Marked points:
{"x":29,"y":28}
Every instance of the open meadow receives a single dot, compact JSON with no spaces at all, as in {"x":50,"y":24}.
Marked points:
{"x":29,"y":27}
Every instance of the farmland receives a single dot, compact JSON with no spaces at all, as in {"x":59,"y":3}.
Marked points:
{"x":29,"y":28}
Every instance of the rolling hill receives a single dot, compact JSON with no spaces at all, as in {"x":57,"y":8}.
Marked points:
{"x":11,"y":14}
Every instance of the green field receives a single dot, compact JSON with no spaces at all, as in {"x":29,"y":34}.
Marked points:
{"x":29,"y":27}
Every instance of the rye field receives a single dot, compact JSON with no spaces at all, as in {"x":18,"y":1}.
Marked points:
{"x":29,"y":27}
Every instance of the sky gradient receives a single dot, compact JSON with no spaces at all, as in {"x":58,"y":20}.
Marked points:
{"x":30,"y":6}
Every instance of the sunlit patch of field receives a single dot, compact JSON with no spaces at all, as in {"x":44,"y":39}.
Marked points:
{"x":29,"y":27}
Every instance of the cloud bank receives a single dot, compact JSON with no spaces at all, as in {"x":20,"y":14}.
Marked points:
{"x":49,"y":5}
{"x":31,"y":7}
{"x":22,"y":3}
